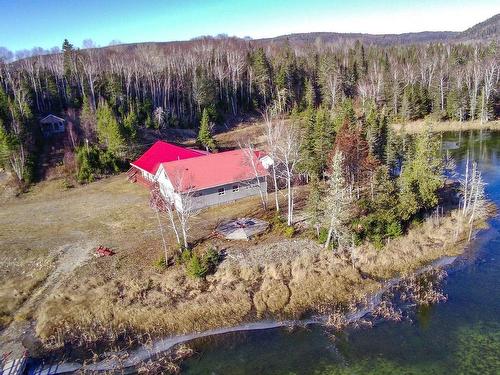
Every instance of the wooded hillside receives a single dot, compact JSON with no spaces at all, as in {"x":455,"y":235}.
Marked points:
{"x":116,"y":93}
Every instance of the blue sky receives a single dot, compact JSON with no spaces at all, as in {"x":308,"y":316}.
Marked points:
{"x":45,"y":23}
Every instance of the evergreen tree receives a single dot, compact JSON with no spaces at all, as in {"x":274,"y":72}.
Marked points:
{"x":67,"y":49}
{"x":315,"y":204}
{"x":344,"y":114}
{"x":323,"y":139}
{"x":421,"y":177}
{"x":204,"y":90}
{"x":4,"y":105}
{"x":130,"y":125}
{"x":310,"y":95}
{"x":262,"y":69}
{"x":109,"y":131}
{"x":88,"y":120}
{"x":309,"y":164}
{"x":205,"y":133}
{"x":393,"y":153}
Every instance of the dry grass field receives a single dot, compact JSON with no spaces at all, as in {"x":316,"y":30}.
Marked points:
{"x":444,"y":126}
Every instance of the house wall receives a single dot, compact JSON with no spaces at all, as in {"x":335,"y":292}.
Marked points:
{"x":211,"y":197}
{"x":54,"y":127}
{"x":148,"y":176}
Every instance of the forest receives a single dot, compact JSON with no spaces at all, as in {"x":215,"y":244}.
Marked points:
{"x":117,"y":95}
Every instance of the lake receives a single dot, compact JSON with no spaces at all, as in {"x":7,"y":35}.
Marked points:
{"x":460,"y":336}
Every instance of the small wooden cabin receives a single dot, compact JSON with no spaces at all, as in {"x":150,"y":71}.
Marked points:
{"x":51,"y":125}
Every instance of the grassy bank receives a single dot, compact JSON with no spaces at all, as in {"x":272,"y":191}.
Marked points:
{"x":445,"y":126}
{"x":49,"y":277}
{"x":280,"y":279}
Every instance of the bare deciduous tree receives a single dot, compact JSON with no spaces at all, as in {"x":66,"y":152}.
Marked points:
{"x":288,"y":156}
{"x":158,"y":205}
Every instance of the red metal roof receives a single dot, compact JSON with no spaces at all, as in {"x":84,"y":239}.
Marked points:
{"x":213,"y":170}
{"x":162,"y":152}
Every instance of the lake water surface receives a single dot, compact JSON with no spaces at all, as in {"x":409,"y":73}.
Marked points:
{"x":461,"y":336}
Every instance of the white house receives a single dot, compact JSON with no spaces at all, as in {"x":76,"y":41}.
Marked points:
{"x":213,"y":179}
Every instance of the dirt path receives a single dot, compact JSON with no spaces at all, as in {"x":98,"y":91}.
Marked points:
{"x":50,"y":232}
{"x":70,"y":257}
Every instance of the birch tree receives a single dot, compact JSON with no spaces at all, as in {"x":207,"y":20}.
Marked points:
{"x":272,"y":136}
{"x":337,"y":204}
{"x":158,"y":205}
{"x":251,"y":159}
{"x":490,"y":84}
{"x":185,"y":208}
{"x":288,"y":147}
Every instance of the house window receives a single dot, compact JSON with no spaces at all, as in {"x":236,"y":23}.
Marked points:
{"x":236,"y":188}
{"x":221,"y":191}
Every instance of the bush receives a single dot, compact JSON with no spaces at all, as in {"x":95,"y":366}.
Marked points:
{"x":377,"y":241}
{"x":277,"y":221}
{"x":92,"y":161}
{"x":288,"y":231}
{"x":196,"y":268}
{"x":279,"y":225}
{"x":211,"y":259}
{"x":394,"y":229}
{"x":160,"y":264}
{"x":323,"y":235}
{"x":185,"y":255}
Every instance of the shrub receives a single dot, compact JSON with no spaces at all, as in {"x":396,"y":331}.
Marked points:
{"x":279,"y":225}
{"x":92,"y":161}
{"x":185,"y":255}
{"x":196,"y":268}
{"x":211,"y":259}
{"x":160,"y":264}
{"x":288,"y":231}
{"x":377,"y":241}
{"x":67,"y":184}
{"x":394,"y":229}
{"x":277,"y":221}
{"x":323,"y":235}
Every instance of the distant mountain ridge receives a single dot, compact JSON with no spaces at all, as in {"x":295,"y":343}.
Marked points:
{"x":488,"y":30}
{"x":484,"y":31}
{"x":378,"y":39}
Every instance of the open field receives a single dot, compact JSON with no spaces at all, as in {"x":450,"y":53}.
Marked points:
{"x":48,"y":237}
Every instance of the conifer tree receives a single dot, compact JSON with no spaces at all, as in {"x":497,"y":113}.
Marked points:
{"x":315,"y":204}
{"x":262,"y":69}
{"x":205,"y":133}
{"x":323,"y":139}
{"x":109,"y":131}
{"x":130,"y":124}
{"x":421,"y":177}
{"x":88,"y":120}
{"x":309,"y":163}
{"x":337,"y":203}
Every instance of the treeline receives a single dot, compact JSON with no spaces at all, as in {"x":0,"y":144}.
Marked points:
{"x":366,"y":181}
{"x":162,"y":86}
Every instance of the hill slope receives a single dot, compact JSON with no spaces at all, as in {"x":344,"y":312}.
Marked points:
{"x":486,"y":30}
